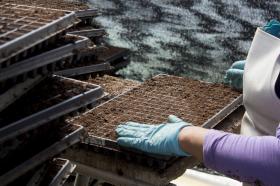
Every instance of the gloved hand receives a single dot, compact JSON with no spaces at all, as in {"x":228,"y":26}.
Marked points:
{"x":156,"y":139}
{"x":273,"y":28}
{"x":234,"y":75}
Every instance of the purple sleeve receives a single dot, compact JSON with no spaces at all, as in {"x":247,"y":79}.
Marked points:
{"x":248,"y":159}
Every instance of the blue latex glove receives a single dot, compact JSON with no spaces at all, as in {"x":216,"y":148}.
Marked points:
{"x":156,"y":139}
{"x":234,"y":75}
{"x":273,"y":28}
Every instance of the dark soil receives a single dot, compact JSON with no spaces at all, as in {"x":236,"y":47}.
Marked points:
{"x":113,"y":85}
{"x":49,"y":92}
{"x":154,"y":100}
{"x":29,"y":144}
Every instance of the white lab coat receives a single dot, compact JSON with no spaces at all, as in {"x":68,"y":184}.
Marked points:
{"x":262,"y":70}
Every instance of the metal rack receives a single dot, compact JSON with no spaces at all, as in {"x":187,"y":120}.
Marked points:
{"x":23,"y":27}
{"x":88,"y":97}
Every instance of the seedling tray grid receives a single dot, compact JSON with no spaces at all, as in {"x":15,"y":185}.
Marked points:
{"x":22,"y":27}
{"x":202,"y":104}
{"x":72,"y":5}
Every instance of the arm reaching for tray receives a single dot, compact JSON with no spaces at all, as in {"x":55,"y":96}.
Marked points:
{"x":248,"y":159}
{"x":253,"y":160}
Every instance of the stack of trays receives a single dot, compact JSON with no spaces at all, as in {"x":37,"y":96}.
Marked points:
{"x":94,"y":60}
{"x":28,"y":41}
{"x":99,"y":57}
{"x":200,"y":103}
{"x":34,"y":103}
{"x":52,"y":173}
{"x":33,"y":125}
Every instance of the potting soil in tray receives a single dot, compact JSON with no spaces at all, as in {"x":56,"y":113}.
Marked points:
{"x":49,"y":92}
{"x":152,"y":102}
{"x":113,"y":85}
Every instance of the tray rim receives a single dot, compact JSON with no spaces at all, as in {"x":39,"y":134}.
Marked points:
{"x":27,"y":123}
{"x":38,"y":35}
{"x":209,"y":124}
{"x":17,"y":91}
{"x":84,"y":70}
{"x":51,"y":151}
{"x":44,"y":59}
{"x":94,"y":32}
{"x":63,"y":173}
{"x":87,"y":13}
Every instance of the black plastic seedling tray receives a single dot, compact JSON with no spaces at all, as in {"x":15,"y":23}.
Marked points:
{"x":66,"y":169}
{"x":150,"y":94}
{"x":90,"y":33}
{"x":70,"y":138}
{"x":52,"y":173}
{"x":84,"y":70}
{"x":61,"y":108}
{"x":89,"y":13}
{"x":15,"y":92}
{"x":112,"y":54}
{"x":86,"y":64}
{"x":24,"y":27}
{"x":114,"y":62}
{"x":40,"y":63}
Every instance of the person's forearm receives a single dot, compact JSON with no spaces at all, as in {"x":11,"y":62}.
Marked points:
{"x":248,"y":159}
{"x":191,"y":140}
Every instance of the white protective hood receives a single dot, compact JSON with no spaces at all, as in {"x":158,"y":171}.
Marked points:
{"x":261,"y":73}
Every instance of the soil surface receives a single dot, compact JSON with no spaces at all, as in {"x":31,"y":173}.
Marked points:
{"x":49,"y":92}
{"x":113,"y":85}
{"x":154,"y":100}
